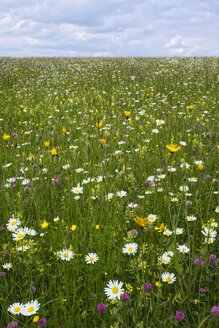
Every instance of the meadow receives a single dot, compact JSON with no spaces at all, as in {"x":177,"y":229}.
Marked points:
{"x":109,"y":192}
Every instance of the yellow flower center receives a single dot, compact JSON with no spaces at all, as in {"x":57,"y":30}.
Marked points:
{"x":30,"y":309}
{"x":20,"y":235}
{"x":13,"y":223}
{"x":115,"y":290}
{"x":65,"y":254}
{"x":17,"y":309}
{"x":130,"y":249}
{"x":168,"y":279}
{"x":91,"y":258}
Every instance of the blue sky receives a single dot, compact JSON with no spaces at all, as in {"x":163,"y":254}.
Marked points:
{"x":109,"y":28}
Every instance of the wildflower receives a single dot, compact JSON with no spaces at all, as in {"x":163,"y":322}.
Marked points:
{"x":183,"y":249}
{"x":179,"y":315}
{"x":2,"y":274}
{"x":199,"y":165}
{"x":190,"y":107}
{"x":99,"y":124}
{"x":73,"y":227}
{"x":13,"y":224}
{"x":142,"y":222}
{"x":151,"y":218}
{"x":168,"y":277}
{"x":30,"y":308}
{"x":160,"y":122}
{"x":147,"y":287}
{"x":44,"y":225}
{"x":125,"y":297}
{"x":36,"y":318}
{"x":77,"y":190}
{"x":54,"y":151}
{"x":46,"y":143}
{"x":215,"y":310}
{"x":102,"y":141}
{"x":202,"y":290}
{"x":64,"y":130}
{"x":134,"y":233}
{"x":19,"y":234}
{"x":15,"y":308}
{"x":173,"y":148}
{"x":161,"y":228}
{"x":6,"y":137}
{"x":65,"y":254}
{"x":158,"y":284}
{"x":121,"y":193}
{"x":97,"y":226}
{"x":184,"y":188}
{"x":190,"y":218}
{"x":109,"y":196}
{"x":179,"y":231}
{"x":7,"y":266}
{"x":114,"y":289}
{"x":91,"y":258}
{"x":101,"y":308}
{"x":127,"y":114}
{"x":130,"y":248}
{"x":42,"y":322}
{"x":164,"y":259}
{"x":198,"y":261}
{"x":167,"y":232}
{"x":217,"y":209}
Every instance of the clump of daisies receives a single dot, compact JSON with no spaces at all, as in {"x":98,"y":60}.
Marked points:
{"x":26,"y":309}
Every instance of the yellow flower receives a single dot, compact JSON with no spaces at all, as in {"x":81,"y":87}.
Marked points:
{"x":54,"y":152}
{"x":64,"y":130}
{"x":161,"y":228}
{"x":190,"y":107}
{"x":44,"y":225}
{"x":46,"y":143}
{"x":6,"y":137}
{"x":36,"y":318}
{"x":172,"y":148}
{"x":102,"y":141}
{"x":127,"y":114}
{"x":99,"y":124}
{"x":73,"y":227}
{"x":97,"y":226}
{"x":200,"y":166}
{"x":142,"y":222}
{"x":158,"y":284}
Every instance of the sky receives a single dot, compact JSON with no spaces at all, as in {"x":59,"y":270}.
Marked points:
{"x":117,"y":28}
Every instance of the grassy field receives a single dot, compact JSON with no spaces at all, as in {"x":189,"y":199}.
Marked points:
{"x":109,"y":192}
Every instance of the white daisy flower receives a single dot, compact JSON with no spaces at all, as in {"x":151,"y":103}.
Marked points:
{"x":130,"y":248}
{"x":191,"y":218}
{"x":121,"y":193}
{"x":13,"y":223}
{"x":164,"y":259}
{"x":168,"y":277}
{"x":7,"y":266}
{"x":65,"y":254}
{"x":151,"y":218}
{"x":179,"y":231}
{"x":30,"y":308}
{"x":77,"y":190}
{"x":91,"y":258}
{"x":217,"y":209}
{"x":184,"y":188}
{"x":19,"y":234}
{"x":183,"y":249}
{"x":114,"y":289}
{"x":15,"y":308}
{"x":167,"y":232}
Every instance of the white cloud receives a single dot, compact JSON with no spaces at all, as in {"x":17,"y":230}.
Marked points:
{"x":109,"y":27}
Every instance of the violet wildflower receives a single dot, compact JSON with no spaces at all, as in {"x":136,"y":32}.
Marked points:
{"x":179,"y":315}
{"x":198,"y":261}
{"x":147,"y":287}
{"x":101,"y":308}
{"x":2,"y":274}
{"x":42,"y":322}
{"x":215,"y":310}
{"x":12,"y":324}
{"x":188,"y":203}
{"x":7,"y":255}
{"x":202,"y":290}
{"x":134,"y":233}
{"x":125,"y":297}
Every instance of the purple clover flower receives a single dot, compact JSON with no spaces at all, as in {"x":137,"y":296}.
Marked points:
{"x":101,"y":308}
{"x":180,"y":316}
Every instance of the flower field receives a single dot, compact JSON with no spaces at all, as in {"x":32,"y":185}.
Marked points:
{"x":109,"y":192}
